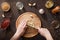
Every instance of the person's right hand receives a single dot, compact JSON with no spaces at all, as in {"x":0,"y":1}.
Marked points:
{"x":45,"y":33}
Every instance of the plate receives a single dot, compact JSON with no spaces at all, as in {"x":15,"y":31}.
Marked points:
{"x":30,"y":32}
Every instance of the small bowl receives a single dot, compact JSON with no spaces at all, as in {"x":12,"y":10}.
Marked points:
{"x":5,"y":6}
{"x":19,"y":5}
{"x":49,"y":4}
{"x":5,"y":23}
{"x":56,"y":9}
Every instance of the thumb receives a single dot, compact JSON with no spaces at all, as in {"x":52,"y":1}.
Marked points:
{"x":40,"y":30}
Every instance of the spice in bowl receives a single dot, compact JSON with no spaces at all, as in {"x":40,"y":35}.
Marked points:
{"x":49,"y":4}
{"x":56,"y":9}
{"x":5,"y":6}
{"x":5,"y":23}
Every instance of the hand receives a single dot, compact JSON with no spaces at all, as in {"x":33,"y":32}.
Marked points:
{"x":20,"y":30}
{"x":45,"y":33}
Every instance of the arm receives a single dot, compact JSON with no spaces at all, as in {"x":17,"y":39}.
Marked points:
{"x":45,"y":33}
{"x":15,"y":36}
{"x":20,"y":31}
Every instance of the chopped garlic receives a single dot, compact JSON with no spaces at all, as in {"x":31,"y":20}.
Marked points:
{"x":30,"y":23}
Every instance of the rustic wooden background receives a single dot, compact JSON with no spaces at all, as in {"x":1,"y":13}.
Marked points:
{"x":46,"y":19}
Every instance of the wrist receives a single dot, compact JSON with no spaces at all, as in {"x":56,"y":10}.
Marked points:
{"x":49,"y":37}
{"x":16,"y":36}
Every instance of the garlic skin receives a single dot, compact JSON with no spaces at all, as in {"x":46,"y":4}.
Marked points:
{"x":41,"y":11}
{"x":3,"y":15}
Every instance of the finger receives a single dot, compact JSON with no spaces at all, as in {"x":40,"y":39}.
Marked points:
{"x":23,"y":21}
{"x":23,"y":24}
{"x":40,"y":29}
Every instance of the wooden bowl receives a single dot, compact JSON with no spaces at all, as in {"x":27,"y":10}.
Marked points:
{"x":30,"y":32}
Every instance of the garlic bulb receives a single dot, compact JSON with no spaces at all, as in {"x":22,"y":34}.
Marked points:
{"x":41,"y":11}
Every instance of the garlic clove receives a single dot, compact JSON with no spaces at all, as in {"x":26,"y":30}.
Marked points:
{"x":34,"y":4}
{"x":3,"y":15}
{"x":29,"y":4}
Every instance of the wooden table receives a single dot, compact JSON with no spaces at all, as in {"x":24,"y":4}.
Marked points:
{"x":46,"y":19}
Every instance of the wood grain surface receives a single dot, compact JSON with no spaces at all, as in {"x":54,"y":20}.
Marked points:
{"x":46,"y":19}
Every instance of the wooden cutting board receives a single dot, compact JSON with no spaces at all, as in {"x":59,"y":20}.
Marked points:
{"x":30,"y":32}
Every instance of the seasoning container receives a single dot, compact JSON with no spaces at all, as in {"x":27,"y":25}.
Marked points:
{"x":49,"y":4}
{"x":41,"y":11}
{"x":56,"y":9}
{"x":19,"y":5}
{"x":55,"y":24}
{"x":5,"y":6}
{"x":5,"y":23}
